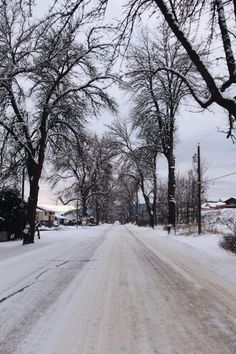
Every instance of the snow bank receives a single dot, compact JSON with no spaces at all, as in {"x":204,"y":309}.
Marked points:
{"x":208,"y":243}
{"x":203,"y":250}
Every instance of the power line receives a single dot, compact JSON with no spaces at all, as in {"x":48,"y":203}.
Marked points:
{"x":214,"y":179}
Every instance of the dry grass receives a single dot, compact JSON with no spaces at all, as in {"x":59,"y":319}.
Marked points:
{"x":192,"y":229}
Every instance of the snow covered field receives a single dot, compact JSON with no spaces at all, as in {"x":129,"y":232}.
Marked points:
{"x":117,"y":289}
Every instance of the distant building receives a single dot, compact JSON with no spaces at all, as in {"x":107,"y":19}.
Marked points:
{"x":231,"y":202}
{"x":45,"y":216}
{"x":50,"y":214}
{"x":213,"y":205}
{"x":70,"y":217}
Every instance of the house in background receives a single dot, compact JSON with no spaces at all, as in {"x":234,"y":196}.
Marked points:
{"x":70,"y":216}
{"x":60,"y":219}
{"x":213,"y":205}
{"x":64,"y":215}
{"x":231,"y":202}
{"x":45,"y":216}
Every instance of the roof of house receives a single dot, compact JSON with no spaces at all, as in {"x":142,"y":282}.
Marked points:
{"x":56,"y":208}
{"x":40,"y":208}
{"x":231,"y":198}
{"x":209,"y":205}
{"x":230,"y":201}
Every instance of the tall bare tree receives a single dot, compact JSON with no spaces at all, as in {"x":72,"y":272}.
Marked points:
{"x":138,"y":162}
{"x":127,"y":195}
{"x":157,"y":95}
{"x":52,"y":76}
{"x":82,"y":170}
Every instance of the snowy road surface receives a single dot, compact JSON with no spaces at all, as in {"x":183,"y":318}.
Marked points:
{"x":112,"y":290}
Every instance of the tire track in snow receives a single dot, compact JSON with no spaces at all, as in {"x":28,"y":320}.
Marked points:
{"x":38,"y":300}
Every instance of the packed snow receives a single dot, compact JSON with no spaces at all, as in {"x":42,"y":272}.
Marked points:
{"x":50,"y":291}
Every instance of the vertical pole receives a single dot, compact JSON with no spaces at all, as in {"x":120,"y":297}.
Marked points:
{"x":23,"y":184}
{"x":199,"y":189}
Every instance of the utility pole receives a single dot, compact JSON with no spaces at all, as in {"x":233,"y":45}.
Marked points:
{"x":199,"y":189}
{"x":197,"y":159}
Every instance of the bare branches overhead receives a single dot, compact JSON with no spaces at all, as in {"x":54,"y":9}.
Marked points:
{"x":206,"y":31}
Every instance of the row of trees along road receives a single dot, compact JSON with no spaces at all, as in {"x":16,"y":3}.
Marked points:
{"x":156,"y":96}
{"x":137,"y":162}
{"x":189,"y":58}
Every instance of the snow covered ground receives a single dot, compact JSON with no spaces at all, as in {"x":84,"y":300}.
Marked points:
{"x":203,"y":249}
{"x":117,"y":289}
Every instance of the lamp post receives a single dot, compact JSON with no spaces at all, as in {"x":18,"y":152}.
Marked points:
{"x":197,"y":159}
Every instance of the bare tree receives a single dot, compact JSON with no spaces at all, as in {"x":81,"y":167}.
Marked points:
{"x":126,"y":199}
{"x":52,"y":75}
{"x":105,"y":178}
{"x":187,"y":194}
{"x":138,"y":162}
{"x":206,"y":31}
{"x":186,"y":198}
{"x":83,"y":166}
{"x":157,"y":95}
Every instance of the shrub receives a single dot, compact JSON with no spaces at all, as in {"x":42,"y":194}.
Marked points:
{"x":229,"y":241}
{"x":12,"y":211}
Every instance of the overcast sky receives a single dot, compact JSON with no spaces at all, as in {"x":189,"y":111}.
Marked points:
{"x":218,"y":152}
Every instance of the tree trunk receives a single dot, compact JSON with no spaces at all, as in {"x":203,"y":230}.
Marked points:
{"x":97,"y":206}
{"x":150,"y":212}
{"x":34,"y":173}
{"x":32,"y":206}
{"x":152,"y":220}
{"x":136,"y":214}
{"x":148,"y":205}
{"x":84,"y":208}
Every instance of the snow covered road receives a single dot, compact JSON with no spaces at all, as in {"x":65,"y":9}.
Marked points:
{"x":112,"y":290}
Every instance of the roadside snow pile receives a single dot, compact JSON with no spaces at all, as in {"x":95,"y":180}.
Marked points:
{"x":209,"y":243}
{"x":204,"y":251}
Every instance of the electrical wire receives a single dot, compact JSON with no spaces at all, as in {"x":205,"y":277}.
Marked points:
{"x":214,"y":179}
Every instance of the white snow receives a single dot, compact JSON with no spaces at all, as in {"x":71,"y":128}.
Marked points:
{"x":39,"y":264}
{"x":203,"y":250}
{"x":208,"y":243}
